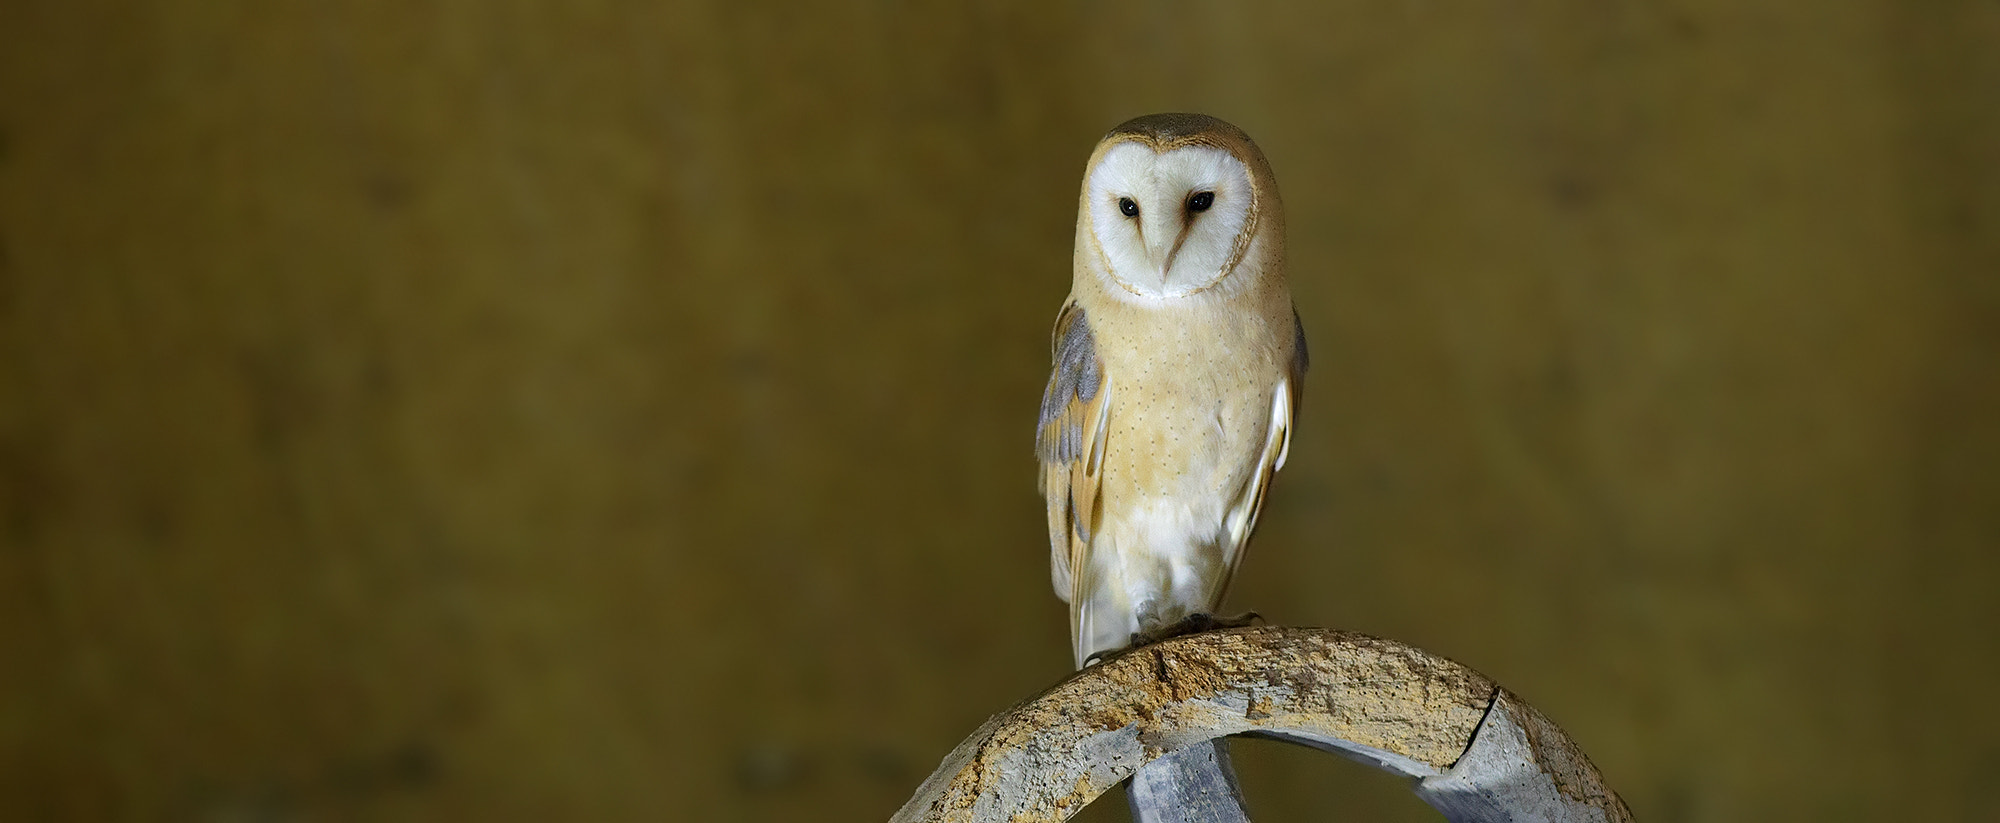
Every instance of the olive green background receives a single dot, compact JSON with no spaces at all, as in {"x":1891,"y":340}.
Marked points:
{"x":622,"y":411}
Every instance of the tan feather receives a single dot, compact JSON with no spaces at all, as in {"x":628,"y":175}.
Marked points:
{"x":1243,"y":516}
{"x":1070,"y":443}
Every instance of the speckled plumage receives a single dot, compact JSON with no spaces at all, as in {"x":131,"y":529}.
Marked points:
{"x":1178,"y":366}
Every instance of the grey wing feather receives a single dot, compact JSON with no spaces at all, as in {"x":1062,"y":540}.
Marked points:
{"x":1067,"y":441}
{"x":1059,"y":434}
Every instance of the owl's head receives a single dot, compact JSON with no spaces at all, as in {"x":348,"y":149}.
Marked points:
{"x":1174,"y":201}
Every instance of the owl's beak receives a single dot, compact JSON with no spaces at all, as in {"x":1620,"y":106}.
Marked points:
{"x":1165,"y":250}
{"x":1163,"y":242}
{"x":1168,"y":264}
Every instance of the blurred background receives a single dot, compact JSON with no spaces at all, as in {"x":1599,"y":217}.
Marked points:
{"x":619,"y":410}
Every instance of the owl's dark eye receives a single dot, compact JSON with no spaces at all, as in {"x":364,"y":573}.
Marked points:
{"x":1201,"y":201}
{"x":1127,"y":207}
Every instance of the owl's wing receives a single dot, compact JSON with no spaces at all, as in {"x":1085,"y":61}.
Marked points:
{"x":1070,"y":444}
{"x":1242,"y":517}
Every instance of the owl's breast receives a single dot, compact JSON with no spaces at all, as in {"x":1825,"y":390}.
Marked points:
{"x":1189,"y":412}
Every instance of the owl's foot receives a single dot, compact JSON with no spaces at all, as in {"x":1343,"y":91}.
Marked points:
{"x":1191,"y":624}
{"x":1196,"y":624}
{"x":1233,"y":621}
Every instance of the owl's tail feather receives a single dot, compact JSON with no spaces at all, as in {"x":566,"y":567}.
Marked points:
{"x":1082,"y":625}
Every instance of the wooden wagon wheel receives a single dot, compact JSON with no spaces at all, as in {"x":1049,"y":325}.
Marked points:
{"x":1472,"y":750}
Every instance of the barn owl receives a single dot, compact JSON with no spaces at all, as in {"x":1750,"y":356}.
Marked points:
{"x":1179,"y":362}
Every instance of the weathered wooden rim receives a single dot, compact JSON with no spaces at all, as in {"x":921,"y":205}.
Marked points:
{"x":1473,"y":750}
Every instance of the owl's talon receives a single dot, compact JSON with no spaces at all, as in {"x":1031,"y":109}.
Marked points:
{"x":1195,"y":624}
{"x":1236,"y":621}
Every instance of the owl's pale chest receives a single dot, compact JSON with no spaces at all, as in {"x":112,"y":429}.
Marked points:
{"x":1191,"y":402}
